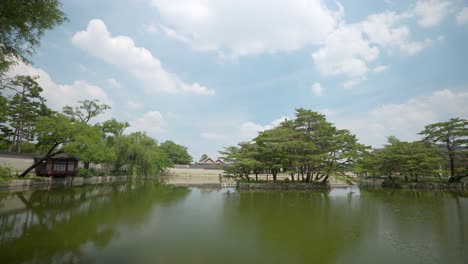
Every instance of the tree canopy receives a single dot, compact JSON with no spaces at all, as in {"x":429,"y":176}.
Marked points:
{"x":453,"y":134}
{"x":22,"y":24}
{"x":308,"y":146}
{"x":176,"y":154}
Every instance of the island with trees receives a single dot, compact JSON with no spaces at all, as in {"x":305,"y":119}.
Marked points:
{"x":311,"y":150}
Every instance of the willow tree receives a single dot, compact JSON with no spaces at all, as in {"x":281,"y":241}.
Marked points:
{"x":139,"y":154}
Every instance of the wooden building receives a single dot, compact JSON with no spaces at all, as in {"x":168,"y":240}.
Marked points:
{"x":59,"y":166}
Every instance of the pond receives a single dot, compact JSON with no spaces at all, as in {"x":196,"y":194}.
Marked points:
{"x":149,"y":223}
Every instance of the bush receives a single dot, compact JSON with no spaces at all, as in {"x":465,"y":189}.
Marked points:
{"x":86,"y":173}
{"x":5,"y":171}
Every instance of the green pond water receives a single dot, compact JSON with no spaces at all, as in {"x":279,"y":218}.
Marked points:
{"x":148,"y":223}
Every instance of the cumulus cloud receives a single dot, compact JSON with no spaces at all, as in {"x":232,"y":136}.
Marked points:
{"x":317,"y":89}
{"x":122,"y":52}
{"x":351,"y":49}
{"x":152,"y":122}
{"x":462,"y":16}
{"x":431,"y":12}
{"x":380,"y":68}
{"x":250,"y":129}
{"x":353,"y":82}
{"x":405,"y":120}
{"x":244,"y":27}
{"x":60,"y":95}
{"x":345,"y":52}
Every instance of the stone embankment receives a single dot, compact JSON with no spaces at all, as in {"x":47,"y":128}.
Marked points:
{"x":187,"y":176}
{"x":57,"y":182}
{"x":281,"y":186}
{"x":380,"y":183}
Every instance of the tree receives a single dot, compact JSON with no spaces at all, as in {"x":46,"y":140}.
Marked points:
{"x":23,"y":109}
{"x":139,"y":154}
{"x":176,"y":154}
{"x":410,"y":160}
{"x":5,"y":131}
{"x":241,"y":160}
{"x":307,"y":146}
{"x":22,"y":24}
{"x":86,"y":110}
{"x":203,"y":157}
{"x":454,"y":135}
{"x":58,"y":134}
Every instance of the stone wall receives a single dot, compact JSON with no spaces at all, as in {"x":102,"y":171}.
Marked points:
{"x":372,"y":183}
{"x":54,"y":182}
{"x":18,"y":163}
{"x":281,"y":186}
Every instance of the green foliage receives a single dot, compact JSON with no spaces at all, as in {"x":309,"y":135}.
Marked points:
{"x":176,"y":154}
{"x":409,"y":160}
{"x":308,"y":146}
{"x":86,"y":173}
{"x":453,"y":134}
{"x":22,"y":24}
{"x":139,"y":154}
{"x":85,"y":111}
{"x":203,"y":157}
{"x":22,"y":110}
{"x":5,"y":171}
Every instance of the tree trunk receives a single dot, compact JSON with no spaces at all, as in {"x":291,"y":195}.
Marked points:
{"x":325,"y":179}
{"x":452,"y":164}
{"x":456,"y":178}
{"x":292,"y":177}
{"x":48,"y":155}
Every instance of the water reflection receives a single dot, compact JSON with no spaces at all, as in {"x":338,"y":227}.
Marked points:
{"x":43,"y":226}
{"x":147,"y":223}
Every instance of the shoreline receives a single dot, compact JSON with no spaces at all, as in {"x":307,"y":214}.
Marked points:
{"x":25,"y":184}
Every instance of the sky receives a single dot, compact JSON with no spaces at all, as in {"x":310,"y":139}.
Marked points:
{"x":212,"y":73}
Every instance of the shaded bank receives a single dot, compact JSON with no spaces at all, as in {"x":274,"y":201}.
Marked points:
{"x":421,"y":185}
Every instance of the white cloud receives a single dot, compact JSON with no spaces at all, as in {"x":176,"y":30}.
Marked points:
{"x":353,"y":82}
{"x":352,"y":48}
{"x":114,"y":83}
{"x":249,"y":130}
{"x":462,"y":16}
{"x":405,"y":120}
{"x":380,"y":68}
{"x":317,"y":89}
{"x":384,"y":29}
{"x":152,"y":122}
{"x":245,"y":27}
{"x":431,"y":12}
{"x":345,"y":51}
{"x":122,"y":52}
{"x":60,"y":95}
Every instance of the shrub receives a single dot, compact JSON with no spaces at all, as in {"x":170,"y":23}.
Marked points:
{"x":5,"y":171}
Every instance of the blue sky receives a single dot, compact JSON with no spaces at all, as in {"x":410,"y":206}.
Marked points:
{"x":210,"y":73}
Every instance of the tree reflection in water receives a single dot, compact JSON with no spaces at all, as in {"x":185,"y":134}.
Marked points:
{"x":49,"y":226}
